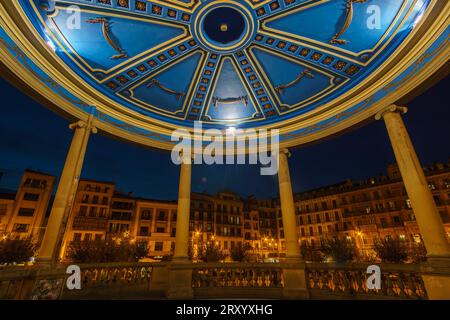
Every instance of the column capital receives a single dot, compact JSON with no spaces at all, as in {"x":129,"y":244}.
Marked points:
{"x":391,"y":108}
{"x":186,"y":157}
{"x":285,"y":151}
{"x":82,"y":124}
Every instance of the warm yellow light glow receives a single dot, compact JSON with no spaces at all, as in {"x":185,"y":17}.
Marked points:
{"x":223,"y":27}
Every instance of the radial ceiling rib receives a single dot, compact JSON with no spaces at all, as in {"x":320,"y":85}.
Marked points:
{"x":150,"y":63}
{"x":308,"y":54}
{"x":272,"y":9}
{"x":162,"y":10}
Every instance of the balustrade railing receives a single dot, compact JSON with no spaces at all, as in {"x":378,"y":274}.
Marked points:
{"x":97,"y":280}
{"x":237,"y":275}
{"x":350,"y":281}
{"x":211,"y":280}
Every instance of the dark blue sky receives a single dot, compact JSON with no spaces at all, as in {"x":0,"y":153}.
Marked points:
{"x":34,"y":137}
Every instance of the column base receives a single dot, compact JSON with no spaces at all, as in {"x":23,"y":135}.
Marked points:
{"x":294,"y":276}
{"x":180,"y":280}
{"x":436,"y":278}
{"x":44,"y":262}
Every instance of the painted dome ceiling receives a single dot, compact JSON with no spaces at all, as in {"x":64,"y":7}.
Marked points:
{"x":306,"y":67}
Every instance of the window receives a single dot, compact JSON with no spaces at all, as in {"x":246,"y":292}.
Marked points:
{"x":85,"y":198}
{"x":334,"y":204}
{"x":408,"y":203}
{"x":160,"y":229}
{"x":447,"y":184}
{"x":162,"y":216}
{"x":88,"y":237}
{"x":98,"y":237}
{"x":83,"y":210}
{"x":77,"y":237}
{"x":31,"y":197}
{"x":117,"y":215}
{"x":146,"y":214}
{"x":93,"y":212}
{"x":143,"y":231}
{"x":159,"y":246}
{"x":26,"y":212}
{"x":431,"y":185}
{"x":20,"y":227}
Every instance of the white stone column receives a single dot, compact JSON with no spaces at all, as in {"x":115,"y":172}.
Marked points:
{"x":288,"y":207}
{"x":436,"y":271}
{"x":425,"y":210}
{"x":65,"y":193}
{"x":183,"y":209}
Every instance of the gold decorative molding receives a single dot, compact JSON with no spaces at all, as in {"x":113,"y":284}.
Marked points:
{"x":217,"y":100}
{"x":106,"y":30}
{"x":155,"y":82}
{"x":305,"y":73}
{"x":348,"y":21}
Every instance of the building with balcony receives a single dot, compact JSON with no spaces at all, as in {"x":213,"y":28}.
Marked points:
{"x":24,"y":213}
{"x":369,"y":210}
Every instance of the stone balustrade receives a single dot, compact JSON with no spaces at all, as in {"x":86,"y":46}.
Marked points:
{"x":332,"y":281}
{"x":240,"y":275}
{"x":211,"y":280}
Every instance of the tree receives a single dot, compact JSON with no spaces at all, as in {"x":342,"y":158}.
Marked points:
{"x":392,"y":250}
{"x":240,"y":252}
{"x":309,"y":253}
{"x":210,"y":252}
{"x":16,"y":250}
{"x":340,"y":249}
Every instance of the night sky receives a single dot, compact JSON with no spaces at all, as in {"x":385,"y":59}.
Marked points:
{"x":36,"y":138}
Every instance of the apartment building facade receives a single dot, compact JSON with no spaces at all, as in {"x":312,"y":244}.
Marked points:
{"x":24,"y":213}
{"x":366,"y":211}
{"x":370,"y":210}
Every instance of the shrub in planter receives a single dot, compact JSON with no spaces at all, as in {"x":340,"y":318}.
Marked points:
{"x":240,"y":252}
{"x":16,"y":250}
{"x":340,"y":249}
{"x":310,"y":253}
{"x":109,"y":250}
{"x":211,"y":252}
{"x":392,"y":250}
{"x":417,"y":252}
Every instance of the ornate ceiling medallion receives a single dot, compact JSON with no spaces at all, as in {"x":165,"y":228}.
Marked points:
{"x":224,"y":26}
